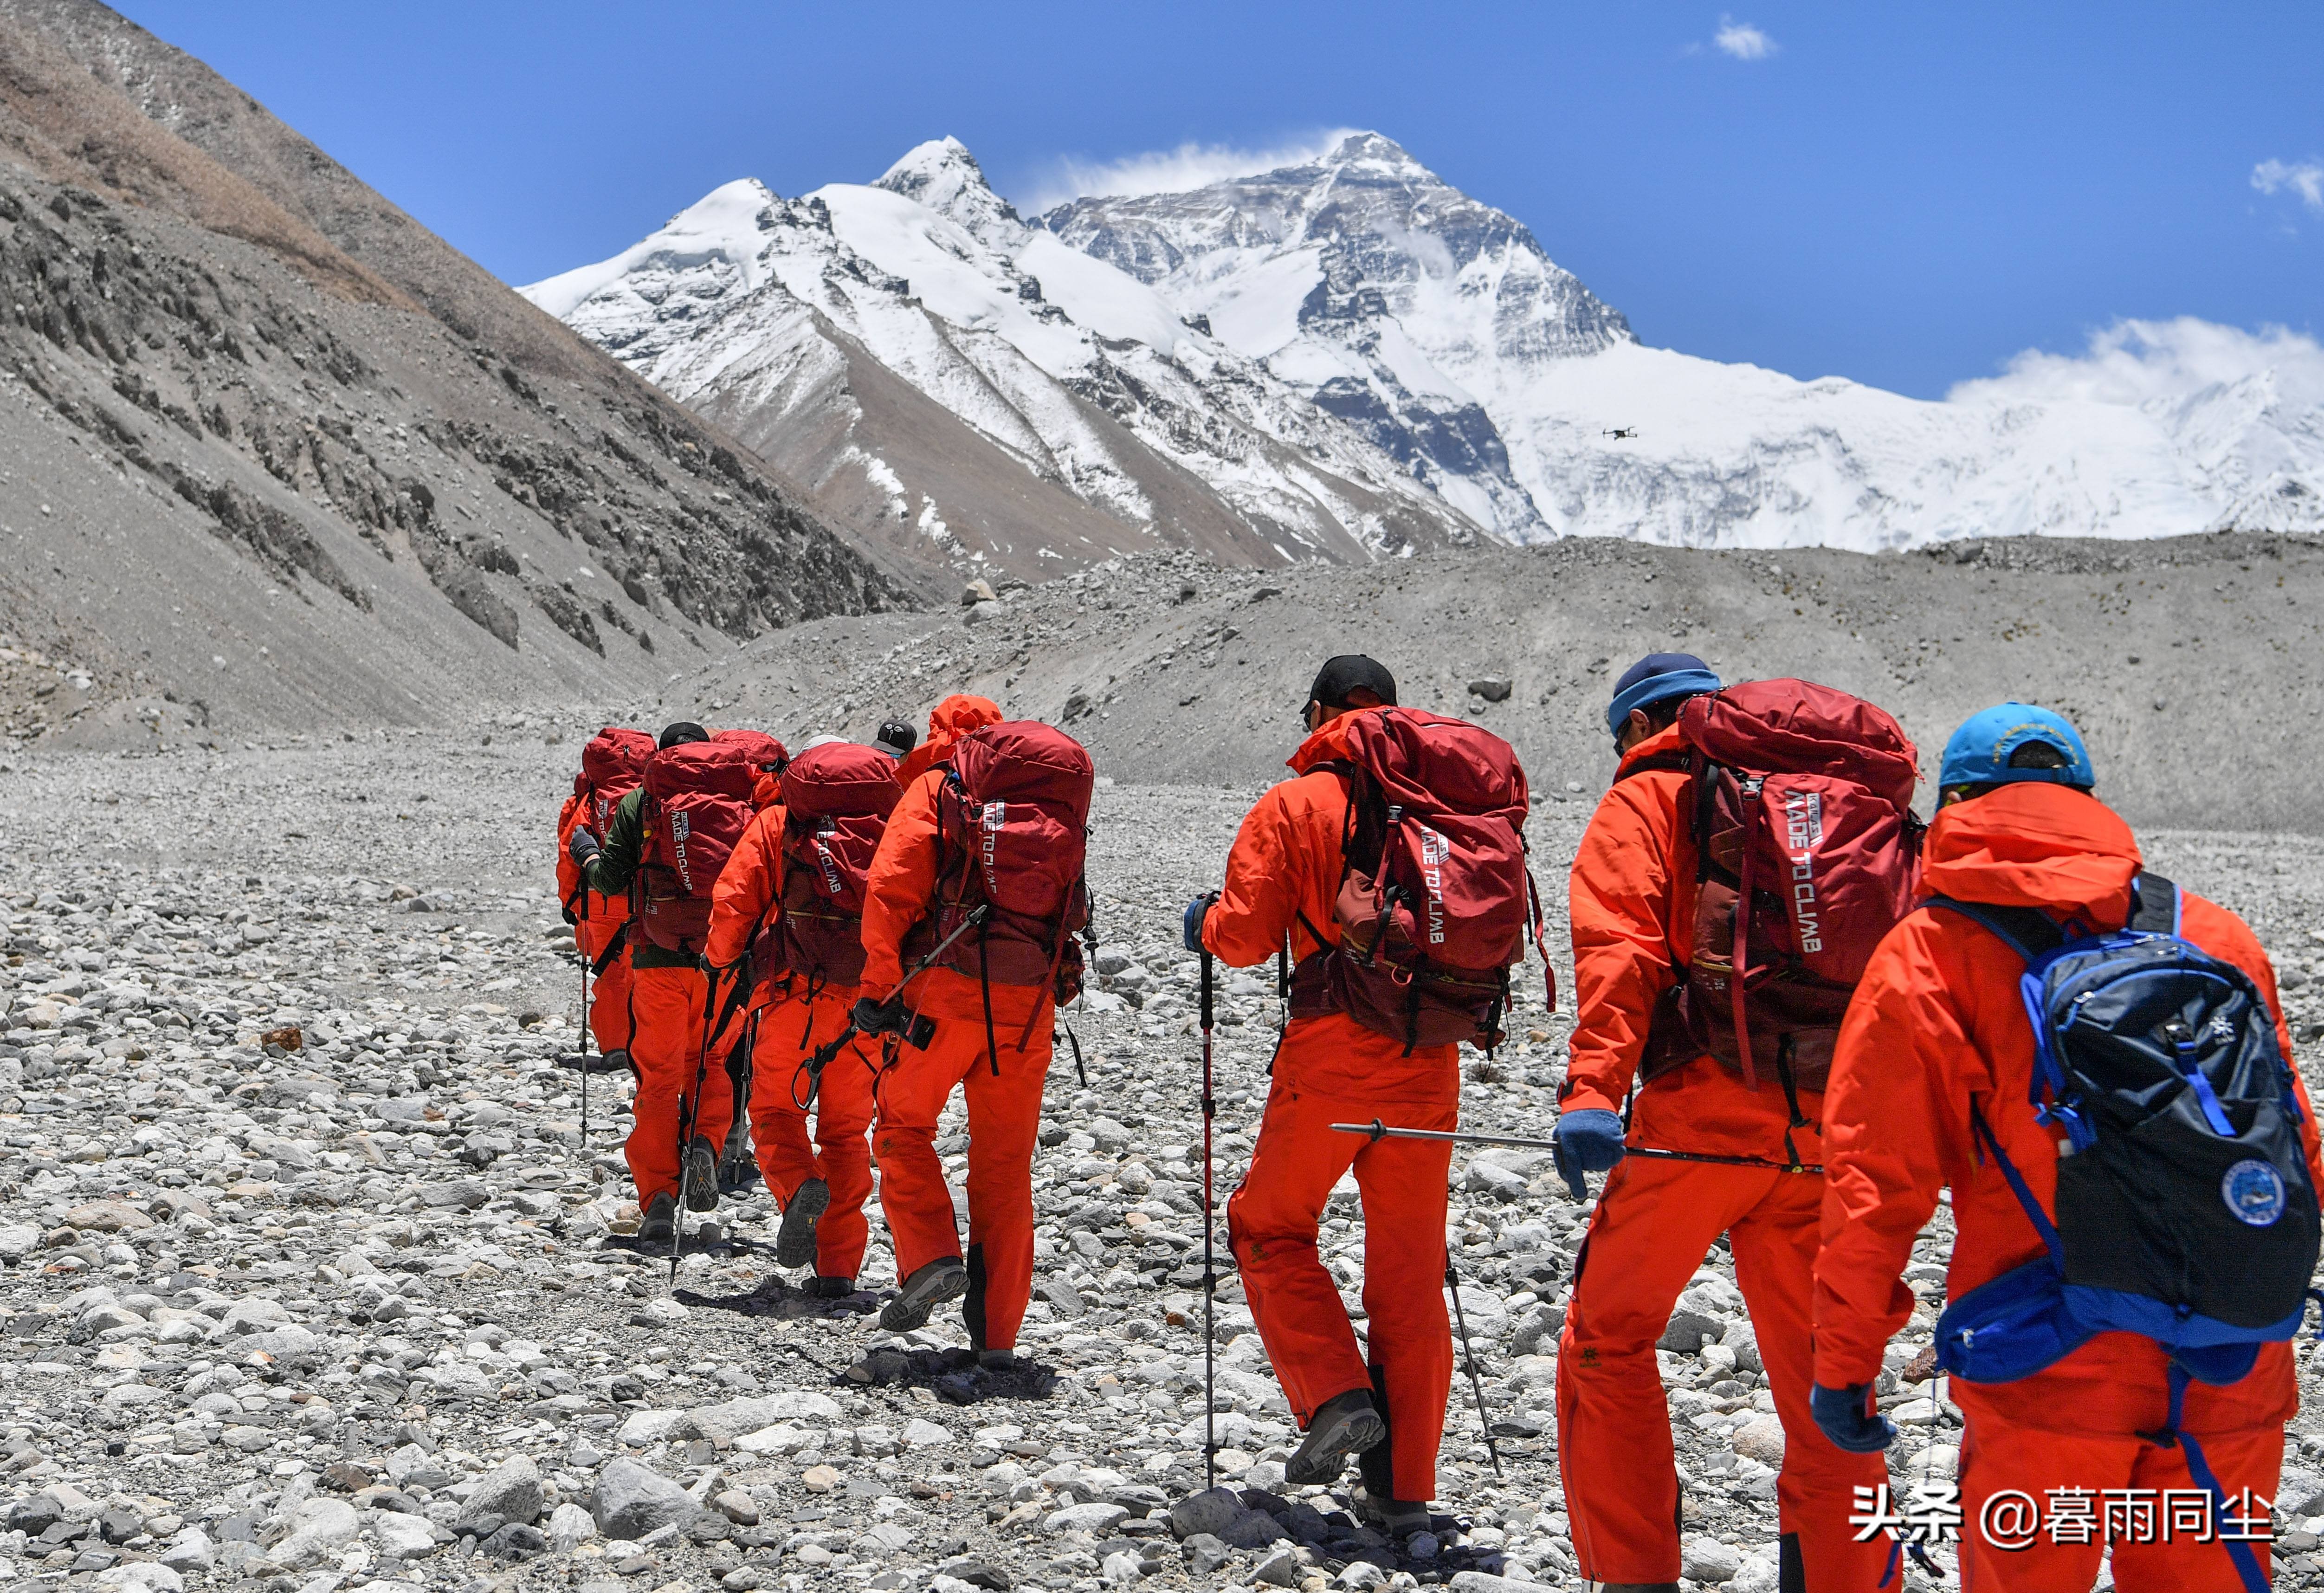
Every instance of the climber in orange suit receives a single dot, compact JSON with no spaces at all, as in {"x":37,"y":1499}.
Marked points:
{"x":1384,"y":1403}
{"x":1631,"y":900}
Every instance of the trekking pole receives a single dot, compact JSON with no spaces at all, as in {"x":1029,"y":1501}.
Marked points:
{"x":584,"y":1051}
{"x":1460,"y":1319}
{"x":1375,"y":1130}
{"x":814,"y":1065}
{"x":1210,"y":1276}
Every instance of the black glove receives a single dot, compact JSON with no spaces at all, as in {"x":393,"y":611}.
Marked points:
{"x":582,"y":846}
{"x":879,"y":1017}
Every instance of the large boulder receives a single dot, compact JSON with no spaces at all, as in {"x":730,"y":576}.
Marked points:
{"x":509,"y":1492}
{"x":631,"y":1500}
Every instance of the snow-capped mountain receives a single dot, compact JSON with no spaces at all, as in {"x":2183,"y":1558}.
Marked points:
{"x":1365,"y":281}
{"x":1347,"y":356}
{"x":939,"y":371}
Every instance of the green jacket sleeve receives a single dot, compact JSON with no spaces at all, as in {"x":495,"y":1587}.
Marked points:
{"x":616,"y":864}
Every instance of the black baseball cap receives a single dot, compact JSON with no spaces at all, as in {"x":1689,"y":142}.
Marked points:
{"x":896,"y":738}
{"x":1342,"y":677}
{"x":680,"y":733}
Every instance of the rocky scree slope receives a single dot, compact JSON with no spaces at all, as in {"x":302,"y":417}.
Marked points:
{"x":364,"y":1309}
{"x":958,"y":384}
{"x":256,"y":479}
{"x":2195,"y":665}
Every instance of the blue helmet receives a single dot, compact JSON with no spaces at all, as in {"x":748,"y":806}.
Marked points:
{"x":1658,"y":677}
{"x":1981,"y":751}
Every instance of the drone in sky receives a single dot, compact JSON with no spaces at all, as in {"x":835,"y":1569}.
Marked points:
{"x":1620,"y":433}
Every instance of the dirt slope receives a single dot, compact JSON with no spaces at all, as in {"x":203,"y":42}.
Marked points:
{"x":2195,"y":666}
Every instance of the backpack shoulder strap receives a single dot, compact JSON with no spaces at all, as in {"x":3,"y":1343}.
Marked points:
{"x":2157,"y":906}
{"x":2030,"y":933}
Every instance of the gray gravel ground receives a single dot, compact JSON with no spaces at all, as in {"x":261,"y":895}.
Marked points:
{"x":361,"y":1314}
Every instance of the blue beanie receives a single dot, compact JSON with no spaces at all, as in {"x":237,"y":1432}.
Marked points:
{"x":1980,"y":751}
{"x":1658,"y":677}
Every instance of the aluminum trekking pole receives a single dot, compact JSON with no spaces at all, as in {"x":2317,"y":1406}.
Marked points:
{"x":1460,"y":1319}
{"x":1375,"y":1130}
{"x":585,"y":1033}
{"x":814,"y":1065}
{"x":1210,"y":1275}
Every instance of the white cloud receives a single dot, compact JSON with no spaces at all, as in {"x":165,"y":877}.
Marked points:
{"x":2141,"y":362}
{"x":1171,"y":170}
{"x":1742,"y":40}
{"x":2306,"y":180}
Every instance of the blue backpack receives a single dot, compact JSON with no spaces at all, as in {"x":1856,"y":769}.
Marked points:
{"x":2185,"y":1209}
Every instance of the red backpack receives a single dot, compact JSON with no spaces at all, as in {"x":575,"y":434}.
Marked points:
{"x":1434,"y":899}
{"x":697,"y":804}
{"x":1012,"y":829}
{"x":836,"y":798}
{"x":1807,"y":854}
{"x":613,"y":761}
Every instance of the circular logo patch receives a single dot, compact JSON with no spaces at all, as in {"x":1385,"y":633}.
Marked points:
{"x":2253,"y":1191}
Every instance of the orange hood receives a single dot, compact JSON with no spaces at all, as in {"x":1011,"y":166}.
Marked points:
{"x":955,"y":717}
{"x":2034,"y":845}
{"x":1323,"y":745}
{"x":1662,"y":743}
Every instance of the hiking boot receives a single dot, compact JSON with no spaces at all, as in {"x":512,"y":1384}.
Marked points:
{"x":831,"y":1288}
{"x":1348,"y":1424}
{"x":943,"y":1279}
{"x":702,"y":1176}
{"x":996,"y":1361}
{"x":1397,"y":1519}
{"x":795,"y":1240}
{"x":660,"y":1224}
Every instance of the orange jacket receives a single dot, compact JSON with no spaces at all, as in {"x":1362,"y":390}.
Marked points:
{"x":1937,"y":1023}
{"x":1286,"y":862}
{"x":741,"y":901}
{"x":1630,"y":898}
{"x":596,"y":916}
{"x":1285,"y":866}
{"x":898,"y":894}
{"x":951,"y":719}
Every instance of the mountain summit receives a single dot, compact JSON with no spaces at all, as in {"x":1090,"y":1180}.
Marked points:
{"x":1342,"y":357}
{"x":966,"y":387}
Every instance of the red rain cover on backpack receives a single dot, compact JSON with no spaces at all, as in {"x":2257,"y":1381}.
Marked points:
{"x":613,"y":761}
{"x":1013,"y":819}
{"x":1808,"y":854}
{"x":1436,"y":902}
{"x":697,"y":804}
{"x":836,"y":798}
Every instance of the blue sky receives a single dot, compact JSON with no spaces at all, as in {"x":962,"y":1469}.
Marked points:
{"x":1906,"y":195}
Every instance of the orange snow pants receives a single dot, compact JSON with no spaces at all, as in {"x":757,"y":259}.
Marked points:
{"x":787,"y":1032}
{"x":609,"y":1003}
{"x":1332,"y":1070}
{"x":1998,"y":1457}
{"x":666,"y":1008}
{"x":1655,"y":1222}
{"x":1004,"y":1125}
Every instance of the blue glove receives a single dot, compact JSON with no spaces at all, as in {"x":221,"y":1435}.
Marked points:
{"x":1847,"y":1419}
{"x":1191,"y":930}
{"x":1587,"y":1140}
{"x":582,"y":846}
